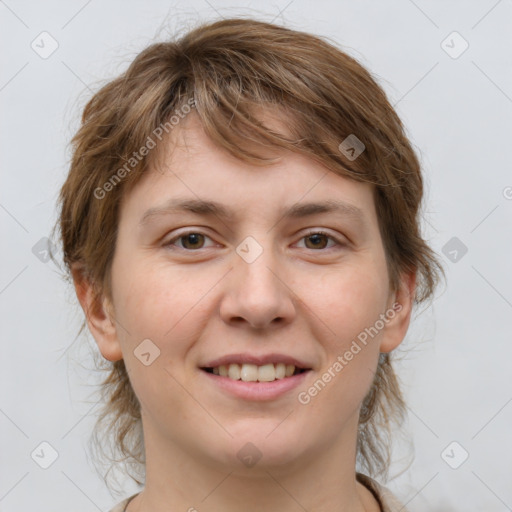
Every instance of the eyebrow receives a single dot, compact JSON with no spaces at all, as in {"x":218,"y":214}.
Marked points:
{"x":212,"y":208}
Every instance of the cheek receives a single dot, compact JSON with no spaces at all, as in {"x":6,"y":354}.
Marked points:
{"x":162,"y":305}
{"x":348,"y":303}
{"x":154,"y":304}
{"x":348,"y":300}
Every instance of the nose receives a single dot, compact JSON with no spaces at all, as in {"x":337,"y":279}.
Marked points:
{"x":258,"y":293}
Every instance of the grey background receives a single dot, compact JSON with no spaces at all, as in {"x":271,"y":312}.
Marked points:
{"x":455,"y":364}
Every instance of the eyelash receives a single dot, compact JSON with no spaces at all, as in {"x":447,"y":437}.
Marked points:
{"x":170,"y":243}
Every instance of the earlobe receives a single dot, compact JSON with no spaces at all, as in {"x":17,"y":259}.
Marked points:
{"x":399,"y":313}
{"x":98,"y":314}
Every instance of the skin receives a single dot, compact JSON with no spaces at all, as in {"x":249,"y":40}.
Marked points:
{"x":198,"y":300}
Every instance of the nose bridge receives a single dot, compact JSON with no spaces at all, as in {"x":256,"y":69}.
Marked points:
{"x":256,"y":266}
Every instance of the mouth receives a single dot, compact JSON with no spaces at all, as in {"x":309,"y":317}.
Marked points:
{"x":257,"y":383}
{"x":256,"y":377}
{"x":248,"y":372}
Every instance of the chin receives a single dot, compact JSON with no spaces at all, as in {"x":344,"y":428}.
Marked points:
{"x":259,"y":446}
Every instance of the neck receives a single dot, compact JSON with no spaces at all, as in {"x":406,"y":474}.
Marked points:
{"x":177,"y":480}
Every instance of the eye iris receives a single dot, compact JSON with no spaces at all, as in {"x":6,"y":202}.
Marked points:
{"x":191,"y":237}
{"x":316,"y":237}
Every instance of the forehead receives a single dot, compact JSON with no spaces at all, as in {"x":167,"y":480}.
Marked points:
{"x":190,"y":171}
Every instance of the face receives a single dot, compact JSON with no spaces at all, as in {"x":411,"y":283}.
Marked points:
{"x":260,"y":283}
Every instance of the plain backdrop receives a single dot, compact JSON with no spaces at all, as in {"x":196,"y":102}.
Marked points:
{"x":447,"y":68}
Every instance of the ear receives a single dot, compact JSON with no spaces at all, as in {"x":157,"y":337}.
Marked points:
{"x":401,"y":303}
{"x":98,"y":312}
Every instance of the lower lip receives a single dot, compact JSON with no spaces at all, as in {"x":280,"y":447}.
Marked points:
{"x":258,"y":391}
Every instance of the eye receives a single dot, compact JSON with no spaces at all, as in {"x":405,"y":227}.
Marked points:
{"x":194,"y":240}
{"x":318,"y":239}
{"x":191,"y":240}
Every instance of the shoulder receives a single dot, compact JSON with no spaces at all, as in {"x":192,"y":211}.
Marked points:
{"x":120,"y":507}
{"x":387,"y":500}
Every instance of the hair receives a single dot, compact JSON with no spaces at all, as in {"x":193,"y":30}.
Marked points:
{"x":228,"y":71}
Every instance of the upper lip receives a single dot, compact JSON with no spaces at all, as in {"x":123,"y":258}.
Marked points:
{"x":259,"y":360}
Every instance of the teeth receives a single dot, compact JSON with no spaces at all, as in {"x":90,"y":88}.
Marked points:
{"x":234,"y":371}
{"x":280,"y":371}
{"x":254,"y":373}
{"x":267,"y":373}
{"x":247,"y":372}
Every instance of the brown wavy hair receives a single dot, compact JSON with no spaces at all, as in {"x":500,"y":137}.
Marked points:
{"x":233,"y":68}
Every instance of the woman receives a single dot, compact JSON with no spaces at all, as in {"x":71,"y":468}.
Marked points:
{"x":241,"y":223}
